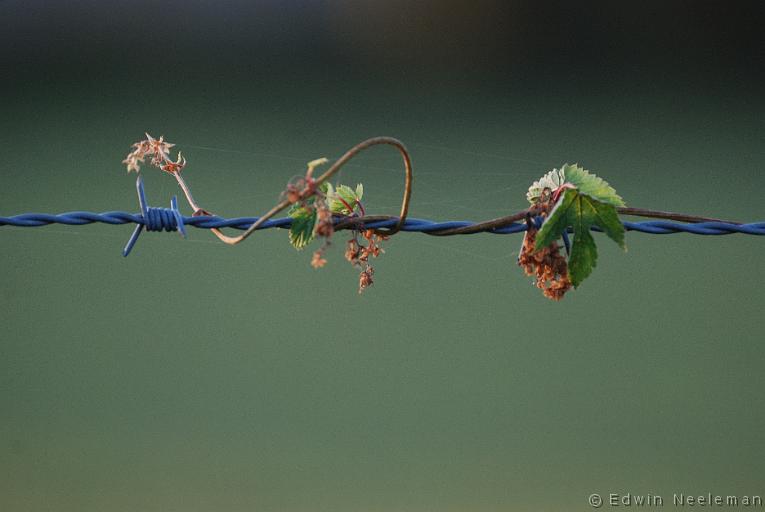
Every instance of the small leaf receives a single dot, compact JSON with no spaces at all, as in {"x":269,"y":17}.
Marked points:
{"x":608,"y":220}
{"x":359,"y":191}
{"x":591,"y":185}
{"x":584,"y":256}
{"x":343,"y":197}
{"x":556,"y":222}
{"x":586,"y":182}
{"x":313,"y":164}
{"x":303,"y":223}
{"x":347,"y":193}
{"x":581,"y":212}
{"x":551,"y":180}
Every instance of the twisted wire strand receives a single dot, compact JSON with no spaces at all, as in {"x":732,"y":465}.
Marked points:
{"x":163,"y":219}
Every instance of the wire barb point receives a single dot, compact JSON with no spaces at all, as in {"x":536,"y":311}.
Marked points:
{"x":154,"y":219}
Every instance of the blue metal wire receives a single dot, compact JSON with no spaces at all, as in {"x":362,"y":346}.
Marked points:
{"x":155,"y":219}
{"x":170,"y":219}
{"x":655,"y":227}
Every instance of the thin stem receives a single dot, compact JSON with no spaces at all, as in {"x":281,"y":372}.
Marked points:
{"x":355,"y":150}
{"x":489,"y":224}
{"x":186,"y":192}
{"x":194,"y":206}
{"x":354,"y":223}
{"x":681,"y":217}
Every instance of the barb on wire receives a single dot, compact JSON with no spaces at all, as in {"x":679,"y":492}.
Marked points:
{"x":155,"y":219}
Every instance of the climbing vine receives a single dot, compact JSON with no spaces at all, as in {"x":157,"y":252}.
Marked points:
{"x":563,"y":202}
{"x":568,"y":198}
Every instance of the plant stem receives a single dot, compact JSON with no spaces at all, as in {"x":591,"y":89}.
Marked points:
{"x":681,"y":217}
{"x":488,"y":225}
{"x":355,"y":150}
{"x":357,"y":222}
{"x":186,"y":192}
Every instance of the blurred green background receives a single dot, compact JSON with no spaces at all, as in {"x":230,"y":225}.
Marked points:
{"x":197,"y":376}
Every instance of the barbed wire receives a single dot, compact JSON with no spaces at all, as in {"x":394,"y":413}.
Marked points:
{"x":168,"y":219}
{"x":171,"y":219}
{"x":163,"y":219}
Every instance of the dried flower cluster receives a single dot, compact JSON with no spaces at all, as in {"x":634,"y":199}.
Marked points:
{"x":548,"y":264}
{"x":358,"y":255}
{"x":159,"y":152}
{"x":324,"y":229}
{"x":315,"y":207}
{"x":305,"y":192}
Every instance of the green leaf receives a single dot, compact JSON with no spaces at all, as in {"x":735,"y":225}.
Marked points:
{"x":582,"y":179}
{"x":303,"y":223}
{"x":556,"y":222}
{"x":591,"y":185}
{"x":583,"y":258}
{"x":608,"y":220}
{"x":340,"y":198}
{"x":304,"y":218}
{"x":580,"y":211}
{"x":551,"y":180}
